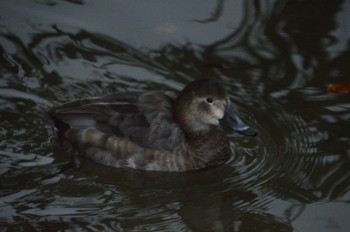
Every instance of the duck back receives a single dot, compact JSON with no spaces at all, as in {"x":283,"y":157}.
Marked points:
{"x":145,"y":119}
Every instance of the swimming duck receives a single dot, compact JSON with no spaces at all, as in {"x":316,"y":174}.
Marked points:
{"x":153,"y":131}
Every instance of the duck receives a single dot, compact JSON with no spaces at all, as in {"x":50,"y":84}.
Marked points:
{"x":154,"y":130}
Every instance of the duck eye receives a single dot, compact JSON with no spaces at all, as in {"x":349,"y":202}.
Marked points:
{"x":210,"y":99}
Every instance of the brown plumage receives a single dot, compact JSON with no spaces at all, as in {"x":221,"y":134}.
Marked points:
{"x":154,"y":131}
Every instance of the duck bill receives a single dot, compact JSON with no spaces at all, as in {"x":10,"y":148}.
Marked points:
{"x":232,"y":121}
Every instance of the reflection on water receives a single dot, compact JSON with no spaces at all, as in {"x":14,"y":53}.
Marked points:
{"x":275,"y":57}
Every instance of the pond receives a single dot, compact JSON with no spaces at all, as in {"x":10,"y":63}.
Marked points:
{"x":285,"y":64}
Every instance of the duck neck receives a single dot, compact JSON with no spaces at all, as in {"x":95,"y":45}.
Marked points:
{"x":211,"y":148}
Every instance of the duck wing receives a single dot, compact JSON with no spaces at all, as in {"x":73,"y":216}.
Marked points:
{"x":146,"y":119}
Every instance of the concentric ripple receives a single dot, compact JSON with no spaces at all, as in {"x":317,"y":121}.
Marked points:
{"x":284,"y":155}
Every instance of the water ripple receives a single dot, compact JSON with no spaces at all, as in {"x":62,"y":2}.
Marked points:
{"x":285,"y":153}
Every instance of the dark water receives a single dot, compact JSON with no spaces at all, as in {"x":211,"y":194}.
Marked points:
{"x":276,"y":59}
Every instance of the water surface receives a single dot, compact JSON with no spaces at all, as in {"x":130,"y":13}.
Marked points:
{"x":276,"y":59}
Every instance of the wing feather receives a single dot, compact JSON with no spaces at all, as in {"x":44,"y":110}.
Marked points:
{"x":144,"y":118}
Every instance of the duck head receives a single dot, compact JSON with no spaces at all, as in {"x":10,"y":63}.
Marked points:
{"x":204,"y":104}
